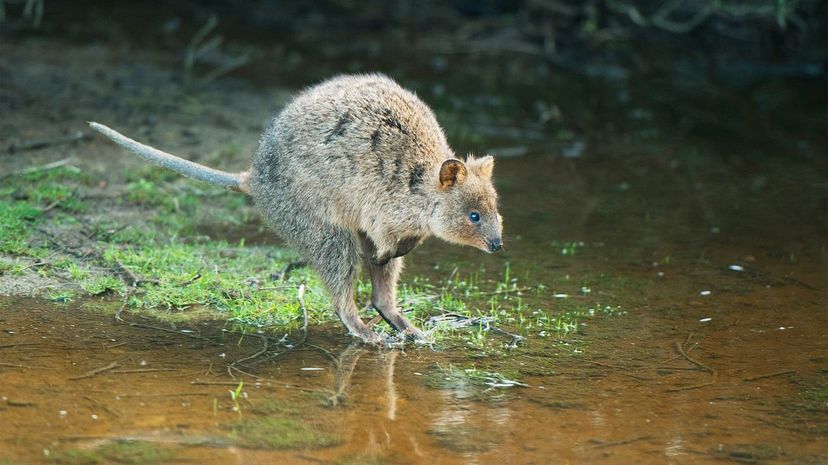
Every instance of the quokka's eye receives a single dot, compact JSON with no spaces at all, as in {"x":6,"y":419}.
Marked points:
{"x":474,"y":217}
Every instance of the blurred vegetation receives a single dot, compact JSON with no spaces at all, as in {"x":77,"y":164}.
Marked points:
{"x":505,"y":75}
{"x":564,"y":32}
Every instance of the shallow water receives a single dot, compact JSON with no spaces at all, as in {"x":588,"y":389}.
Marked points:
{"x":630,"y":398}
{"x":716,"y":353}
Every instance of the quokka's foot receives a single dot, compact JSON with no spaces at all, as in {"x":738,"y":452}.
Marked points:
{"x":370,"y":337}
{"x":413,"y":333}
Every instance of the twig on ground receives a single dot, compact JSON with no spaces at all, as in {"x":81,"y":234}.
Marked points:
{"x":702,"y":366}
{"x":770,"y":375}
{"x":619,"y":367}
{"x":46,"y":167}
{"x":692,"y":360}
{"x":142,"y":370}
{"x":20,"y":403}
{"x":189,"y":281}
{"x":127,"y":294}
{"x":103,"y":406}
{"x":232,"y":368}
{"x":263,"y":350}
{"x":300,"y":294}
{"x":50,"y":207}
{"x":677,"y":368}
{"x":136,"y":280}
{"x":225,"y":383}
{"x":19,"y":344}
{"x":43,"y":143}
{"x":457,"y":321}
{"x":13,"y":365}
{"x":96,"y":371}
{"x":167,"y":330}
{"x":687,"y":388}
{"x":622,"y":442}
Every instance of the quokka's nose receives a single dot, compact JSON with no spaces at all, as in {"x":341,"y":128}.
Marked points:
{"x":495,"y":244}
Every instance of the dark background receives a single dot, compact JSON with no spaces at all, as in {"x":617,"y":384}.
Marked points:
{"x":748,"y":77}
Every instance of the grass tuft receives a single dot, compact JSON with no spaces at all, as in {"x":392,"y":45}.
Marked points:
{"x":121,"y":452}
{"x":282,"y":433}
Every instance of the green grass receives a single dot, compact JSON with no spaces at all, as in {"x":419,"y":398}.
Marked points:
{"x":16,"y":220}
{"x":234,"y":279}
{"x":366,"y":458}
{"x":815,"y":398}
{"x":103,"y":284}
{"x":121,"y":452}
{"x":11,"y":266}
{"x":282,"y":433}
{"x":185,"y":274}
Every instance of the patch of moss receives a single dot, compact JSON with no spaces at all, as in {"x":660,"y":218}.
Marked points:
{"x":282,"y":433}
{"x":365,"y":458}
{"x":280,"y":407}
{"x":11,"y":267}
{"x":16,"y":220}
{"x":815,"y":398}
{"x":103,"y":284}
{"x":60,"y":296}
{"x":57,"y":187}
{"x":235,"y":280}
{"x":121,"y":452}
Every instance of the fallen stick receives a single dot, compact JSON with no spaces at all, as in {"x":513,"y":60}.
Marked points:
{"x":102,"y":406}
{"x":621,"y":442}
{"x":770,"y":375}
{"x":43,"y":143}
{"x":687,"y":388}
{"x":96,"y":371}
{"x":20,"y":403}
{"x":692,"y":360}
{"x":19,"y":344}
{"x":13,"y":365}
{"x":300,"y":294}
{"x":173,"y":331}
{"x":143,"y":370}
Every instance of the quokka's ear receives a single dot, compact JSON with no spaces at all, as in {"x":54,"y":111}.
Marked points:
{"x":452,"y":172}
{"x":484,"y":166}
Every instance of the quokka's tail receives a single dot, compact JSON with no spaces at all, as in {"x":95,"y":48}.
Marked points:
{"x":233,"y":181}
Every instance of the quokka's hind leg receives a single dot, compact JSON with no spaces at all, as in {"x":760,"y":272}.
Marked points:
{"x":384,"y":291}
{"x":336,"y":258}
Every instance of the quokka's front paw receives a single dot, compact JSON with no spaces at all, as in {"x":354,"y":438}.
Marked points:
{"x":371,"y":338}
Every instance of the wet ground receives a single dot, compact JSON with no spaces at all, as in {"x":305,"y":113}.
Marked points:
{"x":747,"y":386}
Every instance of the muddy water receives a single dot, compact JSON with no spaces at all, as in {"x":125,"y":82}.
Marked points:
{"x":631,"y":398}
{"x":718,"y":352}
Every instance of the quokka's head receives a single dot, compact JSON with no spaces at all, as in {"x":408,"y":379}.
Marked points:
{"x":466,"y":212}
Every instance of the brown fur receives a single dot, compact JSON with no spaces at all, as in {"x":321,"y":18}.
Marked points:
{"x":356,"y":172}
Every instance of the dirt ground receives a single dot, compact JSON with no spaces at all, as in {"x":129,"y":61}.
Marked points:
{"x":46,"y":102}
